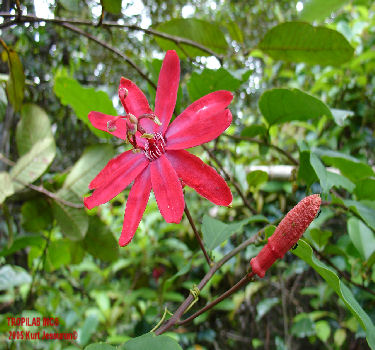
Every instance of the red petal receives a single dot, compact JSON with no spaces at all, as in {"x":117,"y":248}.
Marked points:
{"x":204,"y":179}
{"x":135,"y":102}
{"x":168,"y":190}
{"x":166,"y":93}
{"x":116,"y":182}
{"x":100,"y":120}
{"x":202,"y":121}
{"x":114,"y":167}
{"x":135,"y":206}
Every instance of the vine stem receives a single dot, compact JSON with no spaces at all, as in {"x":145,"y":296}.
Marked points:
{"x":184,"y":306}
{"x":197,"y":236}
{"x":241,"y":283}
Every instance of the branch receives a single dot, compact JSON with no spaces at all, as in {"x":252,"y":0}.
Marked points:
{"x":110,"y":48}
{"x":197,"y":236}
{"x":228,"y":177}
{"x":261,"y":142}
{"x":176,"y":39}
{"x":184,"y":306}
{"x":243,"y":282}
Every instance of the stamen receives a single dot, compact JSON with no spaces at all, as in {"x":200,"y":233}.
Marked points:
{"x":154,"y":147}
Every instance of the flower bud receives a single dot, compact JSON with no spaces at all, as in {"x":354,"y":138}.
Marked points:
{"x":287,"y":234}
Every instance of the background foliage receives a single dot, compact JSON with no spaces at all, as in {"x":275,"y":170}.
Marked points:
{"x":302,"y":73}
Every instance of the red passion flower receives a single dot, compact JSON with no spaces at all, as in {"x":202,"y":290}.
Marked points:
{"x":158,"y":160}
{"x":287,"y":234}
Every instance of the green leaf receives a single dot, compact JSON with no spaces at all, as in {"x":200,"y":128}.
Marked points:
{"x":304,"y":252}
{"x":93,"y":159}
{"x":306,"y":173}
{"x":209,"y":80}
{"x":323,"y":330}
{"x":16,"y":81}
{"x":205,"y":33}
{"x":320,"y":9}
{"x":112,"y":6}
{"x":303,"y":326}
{"x":284,"y":105}
{"x":340,"y":116}
{"x":365,"y":189}
{"x":235,"y":31}
{"x":320,"y":171}
{"x":365,"y":212}
{"x":83,"y":101}
{"x":256,"y":178}
{"x":349,"y":166}
{"x":216,"y":232}
{"x":151,"y":341}
{"x":88,"y":329}
{"x":269,"y":230}
{"x":264,"y":306}
{"x":58,"y":255}
{"x":22,"y":242}
{"x":99,"y":241}
{"x":33,"y":163}
{"x":13,"y":276}
{"x":73,"y":222}
{"x":362,"y":237}
{"x":33,"y":126}
{"x":338,"y":180}
{"x":254,"y":130}
{"x":36,"y":215}
{"x":100,"y":346}
{"x":6,"y":186}
{"x":301,"y":42}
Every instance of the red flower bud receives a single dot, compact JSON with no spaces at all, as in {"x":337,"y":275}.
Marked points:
{"x":287,"y":234}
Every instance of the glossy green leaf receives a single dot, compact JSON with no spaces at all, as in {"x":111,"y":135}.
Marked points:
{"x":72,"y":221}
{"x":83,"y":101}
{"x":304,"y":252}
{"x":58,"y":255}
{"x":256,"y":178}
{"x":362,"y":237}
{"x":93,"y":159}
{"x":320,"y":171}
{"x":365,"y":189}
{"x":320,"y":9}
{"x":216,"y":232}
{"x":364,"y":211}
{"x":210,"y":80}
{"x":264,"y":306}
{"x":303,"y":326}
{"x":284,"y":105}
{"x":6,"y":186}
{"x":112,"y":6}
{"x":235,"y":31}
{"x":205,"y":33}
{"x":151,"y":341}
{"x":33,"y":127}
{"x":341,"y":116}
{"x":301,"y":42}
{"x":16,"y":81}
{"x":33,"y":163}
{"x":349,"y":166}
{"x":99,"y":241}
{"x":337,"y":180}
{"x":254,"y":130}
{"x":320,"y":238}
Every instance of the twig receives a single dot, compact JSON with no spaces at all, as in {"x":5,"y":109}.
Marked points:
{"x":228,"y":177}
{"x":180,"y":311}
{"x":110,"y":48}
{"x":242,"y":282}
{"x":261,"y":142}
{"x":41,"y":189}
{"x":197,"y":236}
{"x":176,"y":39}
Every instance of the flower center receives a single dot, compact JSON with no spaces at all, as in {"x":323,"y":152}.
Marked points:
{"x":154,"y":147}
